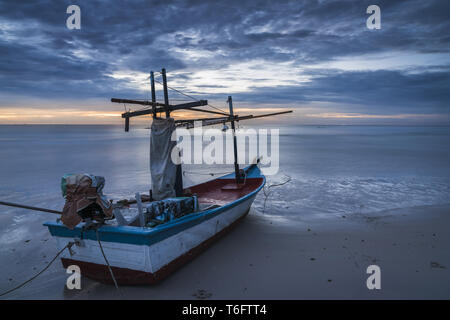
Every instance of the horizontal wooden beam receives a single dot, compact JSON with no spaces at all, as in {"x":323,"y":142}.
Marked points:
{"x":188,"y":106}
{"x":181,"y":121}
{"x":263,"y":115}
{"x":208,"y":111}
{"x":128,"y":115}
{"x":141,"y":102}
{"x":189,"y":123}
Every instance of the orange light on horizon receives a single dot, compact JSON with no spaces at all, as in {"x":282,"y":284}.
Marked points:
{"x":52,"y":116}
{"x":35,"y":115}
{"x":372,"y":116}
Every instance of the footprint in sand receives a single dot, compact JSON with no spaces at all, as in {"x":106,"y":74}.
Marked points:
{"x":202,"y":294}
{"x":434,"y":264}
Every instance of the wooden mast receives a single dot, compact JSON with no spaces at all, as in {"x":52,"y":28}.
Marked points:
{"x":152,"y":85}
{"x":166,"y":92}
{"x":179,"y":171}
{"x":153,"y":91}
{"x":157,"y":107}
{"x":236,"y":165}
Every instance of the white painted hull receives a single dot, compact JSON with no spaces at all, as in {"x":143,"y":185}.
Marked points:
{"x":153,"y":258}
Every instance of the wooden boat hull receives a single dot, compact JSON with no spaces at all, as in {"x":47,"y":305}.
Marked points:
{"x":146,"y":256}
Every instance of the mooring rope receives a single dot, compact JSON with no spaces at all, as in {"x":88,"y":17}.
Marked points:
{"x":266,"y":190}
{"x":107,"y":263}
{"x":191,"y":97}
{"x":68,"y":246}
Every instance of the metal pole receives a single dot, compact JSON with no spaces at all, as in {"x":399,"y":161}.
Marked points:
{"x":10,"y":204}
{"x":152,"y":84}
{"x":236,"y":165}
{"x":166,"y":93}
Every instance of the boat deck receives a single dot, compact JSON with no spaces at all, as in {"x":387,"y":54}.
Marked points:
{"x":219,"y":192}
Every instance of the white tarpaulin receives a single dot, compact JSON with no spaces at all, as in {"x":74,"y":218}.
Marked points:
{"x":162,"y":169}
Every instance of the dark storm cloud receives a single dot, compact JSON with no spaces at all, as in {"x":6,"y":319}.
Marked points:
{"x":375,"y":88}
{"x":40,"y":57}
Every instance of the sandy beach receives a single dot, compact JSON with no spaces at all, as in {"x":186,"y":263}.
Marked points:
{"x":266,"y":257}
{"x":352,"y":202}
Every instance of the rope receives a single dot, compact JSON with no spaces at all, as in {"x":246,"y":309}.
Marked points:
{"x":217,"y":108}
{"x":107,"y":262}
{"x":182,"y":93}
{"x":206,"y":174}
{"x":191,"y":97}
{"x":68,"y":246}
{"x":267,"y":194}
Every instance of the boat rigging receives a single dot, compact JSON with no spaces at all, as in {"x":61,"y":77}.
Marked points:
{"x":172,"y":225}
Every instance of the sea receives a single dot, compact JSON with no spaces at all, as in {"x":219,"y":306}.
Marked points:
{"x":323,"y":170}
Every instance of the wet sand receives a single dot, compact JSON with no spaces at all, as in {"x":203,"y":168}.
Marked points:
{"x":267,"y":257}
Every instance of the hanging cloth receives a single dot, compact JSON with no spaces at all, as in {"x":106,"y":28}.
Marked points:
{"x":162,"y":168}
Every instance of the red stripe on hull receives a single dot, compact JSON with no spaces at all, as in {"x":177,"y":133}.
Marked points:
{"x":124,"y":276}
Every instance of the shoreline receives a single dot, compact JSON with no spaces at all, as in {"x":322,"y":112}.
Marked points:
{"x":269,"y":258}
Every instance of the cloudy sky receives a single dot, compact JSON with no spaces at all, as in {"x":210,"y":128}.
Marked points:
{"x":316,"y":57}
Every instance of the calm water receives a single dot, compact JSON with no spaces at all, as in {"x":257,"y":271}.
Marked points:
{"x":334,"y":169}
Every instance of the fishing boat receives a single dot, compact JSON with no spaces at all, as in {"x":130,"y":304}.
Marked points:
{"x":172,"y":224}
{"x":140,"y":255}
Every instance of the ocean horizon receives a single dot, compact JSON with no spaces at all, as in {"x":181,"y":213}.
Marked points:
{"x":334,"y":168}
